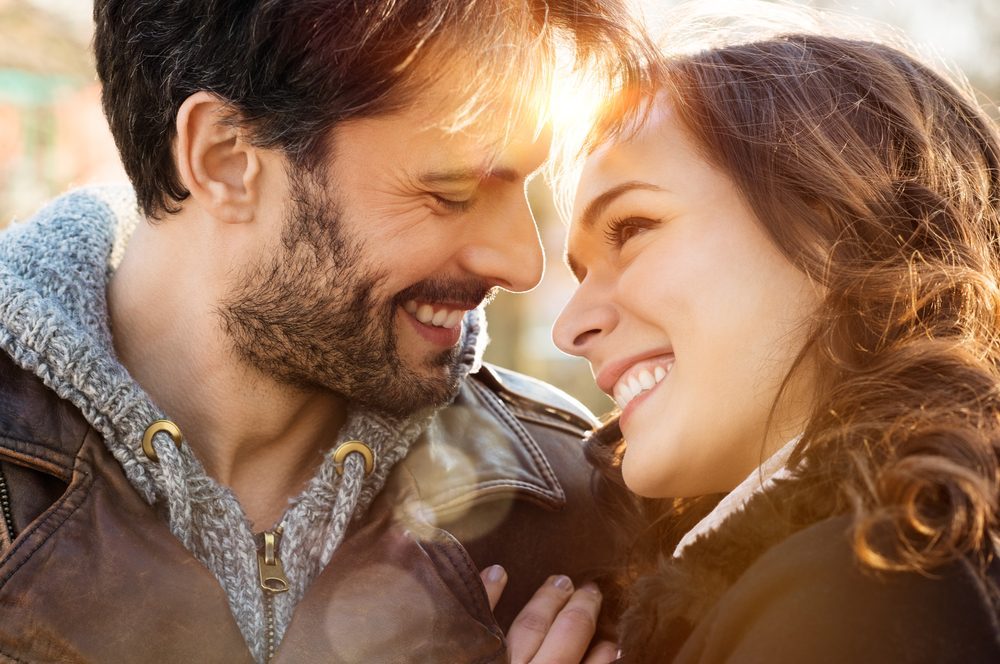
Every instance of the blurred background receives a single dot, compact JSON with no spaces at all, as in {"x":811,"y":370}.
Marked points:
{"x":53,"y":137}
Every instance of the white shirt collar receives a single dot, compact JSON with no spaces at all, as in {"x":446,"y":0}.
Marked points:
{"x":761,"y":478}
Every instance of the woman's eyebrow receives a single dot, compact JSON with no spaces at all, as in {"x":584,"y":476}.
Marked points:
{"x":601,"y":202}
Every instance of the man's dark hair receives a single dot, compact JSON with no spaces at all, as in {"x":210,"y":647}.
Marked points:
{"x":290,"y":70}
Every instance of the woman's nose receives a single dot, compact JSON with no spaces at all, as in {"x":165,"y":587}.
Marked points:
{"x":586,"y":318}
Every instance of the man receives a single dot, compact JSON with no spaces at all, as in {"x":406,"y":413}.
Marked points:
{"x":243,"y":415}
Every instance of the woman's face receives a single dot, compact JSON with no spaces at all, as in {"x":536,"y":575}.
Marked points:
{"x":689,"y":316}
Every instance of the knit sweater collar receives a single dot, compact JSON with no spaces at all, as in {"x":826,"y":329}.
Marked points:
{"x":54,"y":273}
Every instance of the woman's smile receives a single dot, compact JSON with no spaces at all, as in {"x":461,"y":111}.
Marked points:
{"x":673,"y":264}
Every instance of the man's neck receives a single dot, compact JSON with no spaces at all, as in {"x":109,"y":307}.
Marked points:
{"x":261,"y":438}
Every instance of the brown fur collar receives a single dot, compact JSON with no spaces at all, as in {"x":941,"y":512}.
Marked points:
{"x":667,"y":604}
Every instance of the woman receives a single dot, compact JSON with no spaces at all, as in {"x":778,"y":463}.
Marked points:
{"x":788,"y":281}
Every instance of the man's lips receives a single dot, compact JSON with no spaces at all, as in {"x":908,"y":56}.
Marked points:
{"x":436,"y":314}
{"x":439,"y":323}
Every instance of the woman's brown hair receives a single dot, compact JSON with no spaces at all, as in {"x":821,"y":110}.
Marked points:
{"x":880,"y":179}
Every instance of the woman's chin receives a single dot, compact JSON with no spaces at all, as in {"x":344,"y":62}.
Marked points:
{"x":657,"y":476}
{"x":645,"y":478}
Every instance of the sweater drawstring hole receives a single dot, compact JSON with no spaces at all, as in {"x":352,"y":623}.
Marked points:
{"x":158,"y":426}
{"x":354,"y":446}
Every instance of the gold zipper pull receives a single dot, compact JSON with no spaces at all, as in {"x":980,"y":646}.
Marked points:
{"x":272,"y":572}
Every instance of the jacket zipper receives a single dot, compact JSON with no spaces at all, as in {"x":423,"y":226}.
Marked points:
{"x":8,"y":516}
{"x":273,"y":581}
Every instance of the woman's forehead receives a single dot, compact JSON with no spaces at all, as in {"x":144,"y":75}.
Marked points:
{"x":649,"y":154}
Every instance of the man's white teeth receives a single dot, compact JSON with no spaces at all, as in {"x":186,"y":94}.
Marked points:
{"x":637,"y":381}
{"x":425,"y":314}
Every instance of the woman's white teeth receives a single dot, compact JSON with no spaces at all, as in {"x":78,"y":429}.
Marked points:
{"x":646,"y":380}
{"x":637,"y":382}
{"x":425,"y":314}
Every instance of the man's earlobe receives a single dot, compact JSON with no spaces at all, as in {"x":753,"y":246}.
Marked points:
{"x":214,"y":160}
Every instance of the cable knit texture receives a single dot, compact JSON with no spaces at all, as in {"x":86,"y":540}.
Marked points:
{"x":54,"y":272}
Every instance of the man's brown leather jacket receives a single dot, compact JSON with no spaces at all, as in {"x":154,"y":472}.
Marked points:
{"x":89,"y":572}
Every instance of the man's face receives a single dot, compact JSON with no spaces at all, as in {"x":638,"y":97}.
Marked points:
{"x":379,"y":258}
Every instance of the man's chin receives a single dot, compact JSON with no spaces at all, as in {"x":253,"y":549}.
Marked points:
{"x":412,"y":389}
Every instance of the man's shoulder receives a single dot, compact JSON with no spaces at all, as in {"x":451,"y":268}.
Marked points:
{"x":33,"y":416}
{"x":80,"y":226}
{"x":87,"y":203}
{"x":504,"y":436}
{"x":503,"y":471}
{"x":531,"y":398}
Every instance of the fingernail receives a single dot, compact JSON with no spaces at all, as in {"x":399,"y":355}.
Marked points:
{"x":562,"y":582}
{"x":495,"y":574}
{"x":592,"y":588}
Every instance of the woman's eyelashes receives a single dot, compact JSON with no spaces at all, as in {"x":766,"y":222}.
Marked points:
{"x":620,"y":230}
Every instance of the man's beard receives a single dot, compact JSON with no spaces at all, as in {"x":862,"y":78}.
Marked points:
{"x":310,"y":316}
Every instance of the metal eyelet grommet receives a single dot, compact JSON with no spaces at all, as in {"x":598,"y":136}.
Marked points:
{"x":156,"y":427}
{"x":354,"y":446}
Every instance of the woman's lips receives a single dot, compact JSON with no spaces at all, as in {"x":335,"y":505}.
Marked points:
{"x":641,"y":377}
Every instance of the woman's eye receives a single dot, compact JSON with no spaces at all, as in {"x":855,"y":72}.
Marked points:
{"x":620,"y":231}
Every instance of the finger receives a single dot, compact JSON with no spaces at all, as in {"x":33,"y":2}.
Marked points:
{"x":573,"y":628}
{"x":603,"y":652}
{"x":528,"y":630}
{"x":494,"y":579}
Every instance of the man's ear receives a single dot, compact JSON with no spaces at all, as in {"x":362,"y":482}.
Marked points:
{"x":214,"y":160}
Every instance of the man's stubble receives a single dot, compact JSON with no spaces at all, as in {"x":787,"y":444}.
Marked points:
{"x":311,"y":314}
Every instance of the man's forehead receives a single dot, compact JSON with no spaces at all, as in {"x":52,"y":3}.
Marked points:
{"x":450,"y":90}
{"x":504,"y":154}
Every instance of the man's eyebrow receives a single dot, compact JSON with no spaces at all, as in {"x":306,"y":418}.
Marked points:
{"x":599,"y":204}
{"x":468,"y":175}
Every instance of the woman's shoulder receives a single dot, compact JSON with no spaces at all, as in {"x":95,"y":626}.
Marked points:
{"x":808,"y":598}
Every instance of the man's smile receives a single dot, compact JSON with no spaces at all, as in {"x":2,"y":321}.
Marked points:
{"x":439,"y":323}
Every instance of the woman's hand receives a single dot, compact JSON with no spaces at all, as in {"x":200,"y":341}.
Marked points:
{"x":556,"y":625}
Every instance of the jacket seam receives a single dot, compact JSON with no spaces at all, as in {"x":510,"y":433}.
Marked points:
{"x":470,"y":492}
{"x":494,"y":374}
{"x":55,"y":449}
{"x":558,"y":425}
{"x":56,"y":459}
{"x":541,"y":463}
{"x":57,"y":520}
{"x":462,"y":565}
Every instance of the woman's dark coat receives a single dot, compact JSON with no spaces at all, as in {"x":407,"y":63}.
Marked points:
{"x":779,"y":581}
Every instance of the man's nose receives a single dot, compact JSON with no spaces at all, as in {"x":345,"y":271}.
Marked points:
{"x":505,"y":249}
{"x":587,"y":317}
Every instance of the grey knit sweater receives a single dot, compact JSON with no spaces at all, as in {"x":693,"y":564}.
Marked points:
{"x":54,"y":272}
